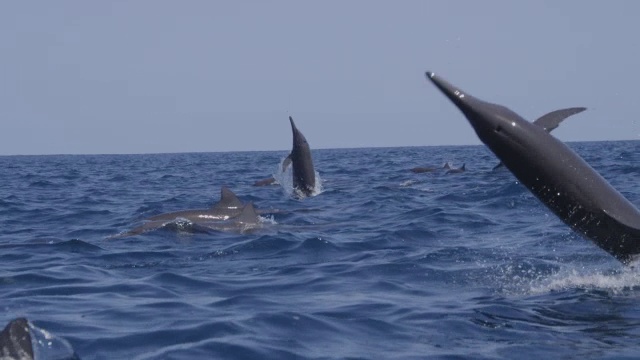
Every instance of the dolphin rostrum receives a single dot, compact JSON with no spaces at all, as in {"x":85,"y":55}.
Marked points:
{"x":304,"y":175}
{"x":554,"y":173}
{"x":552,"y":120}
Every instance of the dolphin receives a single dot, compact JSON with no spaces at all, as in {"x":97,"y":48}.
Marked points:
{"x":304,"y":175}
{"x":15,"y":340}
{"x":554,"y":173}
{"x":420,"y":170}
{"x":198,"y":220}
{"x":552,"y":120}
{"x":265,"y":182}
{"x":245,"y":222}
{"x":227,"y":207}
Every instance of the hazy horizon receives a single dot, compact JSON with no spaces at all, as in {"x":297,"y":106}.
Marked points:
{"x":178,"y":77}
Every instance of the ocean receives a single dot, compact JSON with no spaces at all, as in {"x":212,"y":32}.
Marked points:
{"x":381,"y":264}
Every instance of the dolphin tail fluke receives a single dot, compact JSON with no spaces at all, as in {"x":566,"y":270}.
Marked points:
{"x":551,"y":120}
{"x":228,"y":199}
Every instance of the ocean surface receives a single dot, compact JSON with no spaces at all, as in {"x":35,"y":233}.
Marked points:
{"x":381,"y":264}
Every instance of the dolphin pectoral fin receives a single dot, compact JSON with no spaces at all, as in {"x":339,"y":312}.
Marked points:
{"x":500,"y":164}
{"x":551,"y":120}
{"x":286,"y":162}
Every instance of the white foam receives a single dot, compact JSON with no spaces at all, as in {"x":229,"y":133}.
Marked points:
{"x":285,"y":178}
{"x":615,"y":282}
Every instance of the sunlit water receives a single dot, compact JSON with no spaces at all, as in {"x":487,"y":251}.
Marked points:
{"x":381,"y":264}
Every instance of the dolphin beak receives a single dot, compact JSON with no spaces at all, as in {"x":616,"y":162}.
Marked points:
{"x":293,"y":125}
{"x":480,"y":114}
{"x":456,"y":95}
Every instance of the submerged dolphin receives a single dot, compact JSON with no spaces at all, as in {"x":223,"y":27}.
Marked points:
{"x":555,"y":174}
{"x":265,"y":182}
{"x":304,"y":175}
{"x":15,"y":340}
{"x":420,"y":170}
{"x":552,"y":120}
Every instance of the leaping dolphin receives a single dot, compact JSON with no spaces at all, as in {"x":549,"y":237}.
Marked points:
{"x":552,"y":120}
{"x":554,"y":173}
{"x":304,"y":175}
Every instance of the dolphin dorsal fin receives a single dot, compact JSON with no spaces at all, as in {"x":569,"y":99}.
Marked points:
{"x":446,"y":165}
{"x":551,"y":120}
{"x":228,"y":200}
{"x":248,"y":215}
{"x":463,"y":166}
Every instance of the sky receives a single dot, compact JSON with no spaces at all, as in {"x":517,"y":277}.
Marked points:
{"x":158,"y":76}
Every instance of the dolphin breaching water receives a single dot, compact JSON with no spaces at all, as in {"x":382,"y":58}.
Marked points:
{"x":304,"y":175}
{"x":554,"y":173}
{"x":228,"y":214}
{"x":552,"y":120}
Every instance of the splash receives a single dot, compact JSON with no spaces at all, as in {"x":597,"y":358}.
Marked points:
{"x":48,"y":346}
{"x":615,"y":282}
{"x":267,"y":220}
{"x":285,"y":178}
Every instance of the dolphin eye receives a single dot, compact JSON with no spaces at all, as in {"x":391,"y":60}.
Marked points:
{"x":498,"y":128}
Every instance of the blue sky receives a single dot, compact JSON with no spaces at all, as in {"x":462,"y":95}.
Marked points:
{"x":92,"y":77}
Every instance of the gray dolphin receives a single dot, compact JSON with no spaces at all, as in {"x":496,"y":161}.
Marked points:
{"x":227,"y":207}
{"x":202,"y":220}
{"x":554,"y":173}
{"x":248,"y":220}
{"x":304,"y":175}
{"x":15,"y":340}
{"x":420,"y":170}
{"x":552,"y":120}
{"x":265,"y":182}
